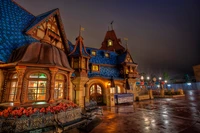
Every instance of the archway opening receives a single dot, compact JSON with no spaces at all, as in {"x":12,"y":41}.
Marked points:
{"x":96,"y":93}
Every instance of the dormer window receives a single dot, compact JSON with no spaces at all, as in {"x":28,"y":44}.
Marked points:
{"x":94,"y":53}
{"x":110,"y":43}
{"x":95,"y":67}
{"x":107,"y":55}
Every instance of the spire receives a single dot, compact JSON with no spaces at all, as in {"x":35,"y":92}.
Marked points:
{"x":79,"y":48}
{"x":81,"y":29}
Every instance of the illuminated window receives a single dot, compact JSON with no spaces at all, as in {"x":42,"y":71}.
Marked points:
{"x":118,"y":89}
{"x":95,"y":89}
{"x":59,"y":86}
{"x":37,"y":87}
{"x":131,"y":69}
{"x":127,"y":71}
{"x":107,"y":55}
{"x":92,"y":89}
{"x":94,"y":53}
{"x":95,"y":68}
{"x":13,"y":88}
{"x":84,"y":63}
{"x":110,"y":43}
{"x":99,"y":90}
{"x":76,"y":63}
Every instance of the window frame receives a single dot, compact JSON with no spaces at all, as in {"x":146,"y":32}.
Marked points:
{"x":97,"y":66}
{"x":110,"y":43}
{"x":107,"y":54}
{"x":12,"y":80}
{"x":94,"y":51}
{"x":63,"y":87}
{"x":37,"y":88}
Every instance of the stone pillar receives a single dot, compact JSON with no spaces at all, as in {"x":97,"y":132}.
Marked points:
{"x":87,"y":96}
{"x":150,"y":93}
{"x":79,"y":82}
{"x":20,"y":71}
{"x":70,"y":89}
{"x":5,"y":93}
{"x":53,"y":72}
{"x":112,"y":100}
{"x":134,"y":88}
{"x":1,"y":83}
{"x":162,"y":91}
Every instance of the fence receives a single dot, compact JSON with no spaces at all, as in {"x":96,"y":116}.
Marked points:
{"x":184,"y":86}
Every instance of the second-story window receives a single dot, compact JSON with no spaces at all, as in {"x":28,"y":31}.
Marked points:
{"x":107,"y":55}
{"x":95,"y":67}
{"x":110,"y":43}
{"x":94,"y":53}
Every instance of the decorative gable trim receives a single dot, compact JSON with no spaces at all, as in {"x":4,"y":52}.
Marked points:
{"x":59,"y":36}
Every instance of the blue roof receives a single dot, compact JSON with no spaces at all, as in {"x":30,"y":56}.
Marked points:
{"x":14,"y":20}
{"x":100,"y":57}
{"x":121,"y":58}
{"x":106,"y":72}
{"x":40,"y":18}
{"x":71,"y":46}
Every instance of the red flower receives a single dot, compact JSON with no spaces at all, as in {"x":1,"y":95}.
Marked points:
{"x":42,"y":110}
{"x":35,"y":110}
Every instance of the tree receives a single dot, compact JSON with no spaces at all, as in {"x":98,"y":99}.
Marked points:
{"x":187,"y":78}
{"x":166,"y":76}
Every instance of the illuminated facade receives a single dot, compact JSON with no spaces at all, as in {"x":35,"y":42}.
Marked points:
{"x":39,"y":64}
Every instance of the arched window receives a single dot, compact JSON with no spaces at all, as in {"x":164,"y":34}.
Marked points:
{"x":96,"y":93}
{"x":37,"y":87}
{"x":95,"y":89}
{"x":13,"y":88}
{"x":59,"y":86}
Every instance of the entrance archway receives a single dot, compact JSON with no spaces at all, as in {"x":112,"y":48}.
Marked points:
{"x":96,"y":93}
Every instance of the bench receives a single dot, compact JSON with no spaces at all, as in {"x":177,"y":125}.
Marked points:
{"x":69,"y":119}
{"x":92,"y":109}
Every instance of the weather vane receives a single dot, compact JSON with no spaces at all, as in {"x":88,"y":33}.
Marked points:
{"x":81,"y":29}
{"x":126,"y":40}
{"x":112,"y":24}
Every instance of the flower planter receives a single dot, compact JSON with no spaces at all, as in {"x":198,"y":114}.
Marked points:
{"x":21,"y":120}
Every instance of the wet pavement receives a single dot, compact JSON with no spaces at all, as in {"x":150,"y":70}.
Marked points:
{"x":163,"y":115}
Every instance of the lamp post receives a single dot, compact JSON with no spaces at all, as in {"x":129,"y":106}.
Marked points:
{"x":112,"y":88}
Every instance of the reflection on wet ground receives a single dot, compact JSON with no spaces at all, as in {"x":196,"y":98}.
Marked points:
{"x":164,"y":115}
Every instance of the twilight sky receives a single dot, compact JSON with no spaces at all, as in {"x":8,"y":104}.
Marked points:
{"x":164,"y":35}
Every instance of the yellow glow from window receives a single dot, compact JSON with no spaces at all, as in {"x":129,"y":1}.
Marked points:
{"x":107,"y":55}
{"x":94,"y":53}
{"x":110,"y":43}
{"x":95,"y":67}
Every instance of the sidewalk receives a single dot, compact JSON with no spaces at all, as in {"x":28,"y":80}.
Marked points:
{"x":166,"y":115}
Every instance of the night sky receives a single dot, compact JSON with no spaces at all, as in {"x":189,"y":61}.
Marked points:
{"x":164,"y":35}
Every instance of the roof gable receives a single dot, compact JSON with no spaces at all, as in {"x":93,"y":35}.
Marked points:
{"x":125,"y":58}
{"x":79,"y":49}
{"x":49,"y":26}
{"x":115,"y":42}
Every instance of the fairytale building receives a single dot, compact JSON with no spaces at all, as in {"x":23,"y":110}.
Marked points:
{"x":39,"y":64}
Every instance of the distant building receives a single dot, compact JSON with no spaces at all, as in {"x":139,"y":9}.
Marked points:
{"x":197,"y":72}
{"x":38,"y":62}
